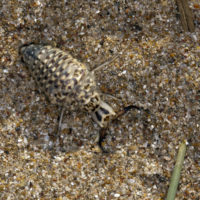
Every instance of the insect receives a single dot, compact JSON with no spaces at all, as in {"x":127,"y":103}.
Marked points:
{"x":65,"y":81}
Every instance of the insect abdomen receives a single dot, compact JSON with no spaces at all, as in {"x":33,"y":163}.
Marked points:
{"x":57,"y":73}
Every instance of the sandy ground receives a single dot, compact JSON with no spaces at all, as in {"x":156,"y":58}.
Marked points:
{"x":158,"y":69}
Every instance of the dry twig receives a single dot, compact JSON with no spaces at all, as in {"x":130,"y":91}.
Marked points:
{"x":186,"y":15}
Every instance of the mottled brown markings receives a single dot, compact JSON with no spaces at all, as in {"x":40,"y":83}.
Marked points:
{"x":65,"y":93}
{"x":64,"y":78}
{"x":57,"y":74}
{"x":69,"y":62}
{"x":65,"y":57}
{"x":95,"y":107}
{"x":60,"y":55}
{"x":56,"y":85}
{"x":75,"y":81}
{"x":66,"y":74}
{"x":86,"y":87}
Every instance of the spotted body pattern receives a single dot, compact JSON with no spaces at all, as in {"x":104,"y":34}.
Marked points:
{"x":65,"y":81}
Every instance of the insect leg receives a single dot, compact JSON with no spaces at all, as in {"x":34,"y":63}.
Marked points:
{"x":60,"y":120}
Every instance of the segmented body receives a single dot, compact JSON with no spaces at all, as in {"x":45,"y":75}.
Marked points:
{"x":65,"y":81}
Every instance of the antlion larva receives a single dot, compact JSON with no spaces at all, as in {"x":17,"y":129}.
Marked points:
{"x":65,"y":81}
